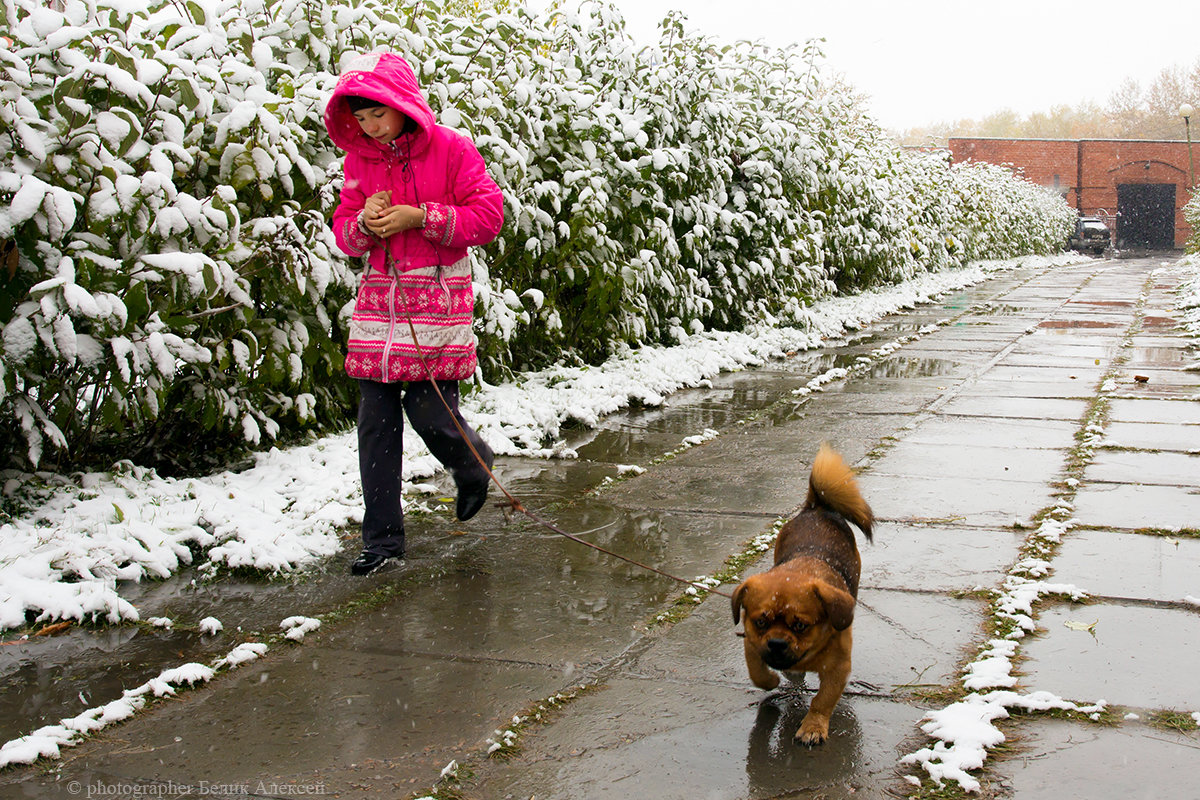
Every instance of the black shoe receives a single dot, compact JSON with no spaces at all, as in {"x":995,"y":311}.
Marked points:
{"x":366,"y":563}
{"x":472,"y":494}
{"x":471,"y":498}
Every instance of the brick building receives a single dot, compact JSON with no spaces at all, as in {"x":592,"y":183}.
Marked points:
{"x":1139,"y":187}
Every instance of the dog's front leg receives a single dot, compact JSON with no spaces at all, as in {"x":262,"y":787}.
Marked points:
{"x":762,"y":675}
{"x":815,"y":727}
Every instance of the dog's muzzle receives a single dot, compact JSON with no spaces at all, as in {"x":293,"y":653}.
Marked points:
{"x":779,"y":654}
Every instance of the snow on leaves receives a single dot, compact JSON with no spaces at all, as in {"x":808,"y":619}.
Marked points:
{"x":171,"y":161}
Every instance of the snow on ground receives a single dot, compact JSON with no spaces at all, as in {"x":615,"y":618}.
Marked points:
{"x":47,"y":741}
{"x":69,"y":557}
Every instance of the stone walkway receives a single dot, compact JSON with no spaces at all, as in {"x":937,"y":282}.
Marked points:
{"x":1011,"y":409}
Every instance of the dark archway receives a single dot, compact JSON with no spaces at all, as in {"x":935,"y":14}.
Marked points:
{"x":1146,"y":215}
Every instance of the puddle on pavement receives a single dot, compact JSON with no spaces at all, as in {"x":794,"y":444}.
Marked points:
{"x":1167,"y":323}
{"x":914,"y":367}
{"x":51,"y":678}
{"x":682,"y":741}
{"x":1159,"y":356}
{"x":1054,"y":324}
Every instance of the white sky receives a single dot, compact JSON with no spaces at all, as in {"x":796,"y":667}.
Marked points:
{"x":929,"y":61}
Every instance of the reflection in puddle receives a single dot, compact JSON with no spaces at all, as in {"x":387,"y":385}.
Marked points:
{"x":1079,"y":323}
{"x":1158,"y":356}
{"x":776,"y":764}
{"x":47,"y":679}
{"x":913,"y":368}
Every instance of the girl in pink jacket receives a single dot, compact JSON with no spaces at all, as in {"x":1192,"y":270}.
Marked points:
{"x":416,"y":196}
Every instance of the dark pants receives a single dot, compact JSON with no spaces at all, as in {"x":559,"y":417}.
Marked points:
{"x":381,"y":412}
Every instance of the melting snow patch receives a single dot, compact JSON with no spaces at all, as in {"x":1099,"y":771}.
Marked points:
{"x":47,"y":741}
{"x":815,"y":385}
{"x":993,"y":668}
{"x":299,"y":627}
{"x":701,"y":438}
{"x":249,"y":651}
{"x":965,"y":731}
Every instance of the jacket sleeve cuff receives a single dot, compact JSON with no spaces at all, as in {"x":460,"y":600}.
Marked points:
{"x":355,"y":237}
{"x":439,"y":223}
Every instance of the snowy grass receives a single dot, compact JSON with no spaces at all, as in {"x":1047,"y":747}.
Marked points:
{"x":69,"y":556}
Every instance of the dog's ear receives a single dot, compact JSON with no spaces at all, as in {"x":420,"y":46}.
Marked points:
{"x":839,"y":605}
{"x":736,"y":601}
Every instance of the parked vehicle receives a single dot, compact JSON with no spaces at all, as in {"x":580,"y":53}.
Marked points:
{"x":1091,"y":235}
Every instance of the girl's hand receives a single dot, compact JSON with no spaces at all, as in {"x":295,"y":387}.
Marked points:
{"x":394,"y":219}
{"x":375,"y":205}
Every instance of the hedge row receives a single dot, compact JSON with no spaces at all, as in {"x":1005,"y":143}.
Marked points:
{"x":168,"y":277}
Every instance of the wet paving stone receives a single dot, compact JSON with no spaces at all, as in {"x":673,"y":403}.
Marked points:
{"x":897,"y":401}
{"x":990,"y":387}
{"x":1153,"y":436}
{"x":1164,"y":355}
{"x":973,"y":354}
{"x":1055,"y":759}
{"x":1001,"y":432}
{"x":1109,"y":505}
{"x":1129,"y":388}
{"x":1065,"y":360}
{"x":1130,"y":565}
{"x":1122,"y":661}
{"x":1087,"y":374}
{"x":954,"y":501}
{"x":938,"y":558}
{"x":1182,"y":412}
{"x":922,"y":459}
{"x":772,"y":486}
{"x":1021,"y":407}
{"x":309,"y":708}
{"x":1142,"y":467}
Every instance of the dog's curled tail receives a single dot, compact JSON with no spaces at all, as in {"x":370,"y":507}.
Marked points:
{"x":832,"y":486}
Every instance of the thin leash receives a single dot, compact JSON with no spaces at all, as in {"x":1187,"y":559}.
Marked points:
{"x":513,"y":503}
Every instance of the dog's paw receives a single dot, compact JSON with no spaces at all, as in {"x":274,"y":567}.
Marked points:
{"x":813,"y":731}
{"x":765,"y":680}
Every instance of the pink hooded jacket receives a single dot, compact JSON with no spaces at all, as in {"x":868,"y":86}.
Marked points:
{"x":421,"y":274}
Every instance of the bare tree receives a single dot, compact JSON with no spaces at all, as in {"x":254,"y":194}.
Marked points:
{"x":1131,"y":113}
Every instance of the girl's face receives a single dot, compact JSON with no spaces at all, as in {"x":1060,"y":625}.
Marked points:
{"x":381,"y":123}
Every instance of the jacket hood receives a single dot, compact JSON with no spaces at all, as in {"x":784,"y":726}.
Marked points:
{"x":388,"y":79}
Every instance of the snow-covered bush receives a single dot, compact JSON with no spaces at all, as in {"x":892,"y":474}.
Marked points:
{"x":1191,"y":213}
{"x":168,"y":274}
{"x":1022,"y":218}
{"x":166,"y":187}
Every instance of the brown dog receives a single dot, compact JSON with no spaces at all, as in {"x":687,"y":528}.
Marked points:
{"x":799,"y":613}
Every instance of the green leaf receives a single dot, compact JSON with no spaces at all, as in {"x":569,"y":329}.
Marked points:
{"x":137,"y":302}
{"x":197,"y":13}
{"x":212,"y":281}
